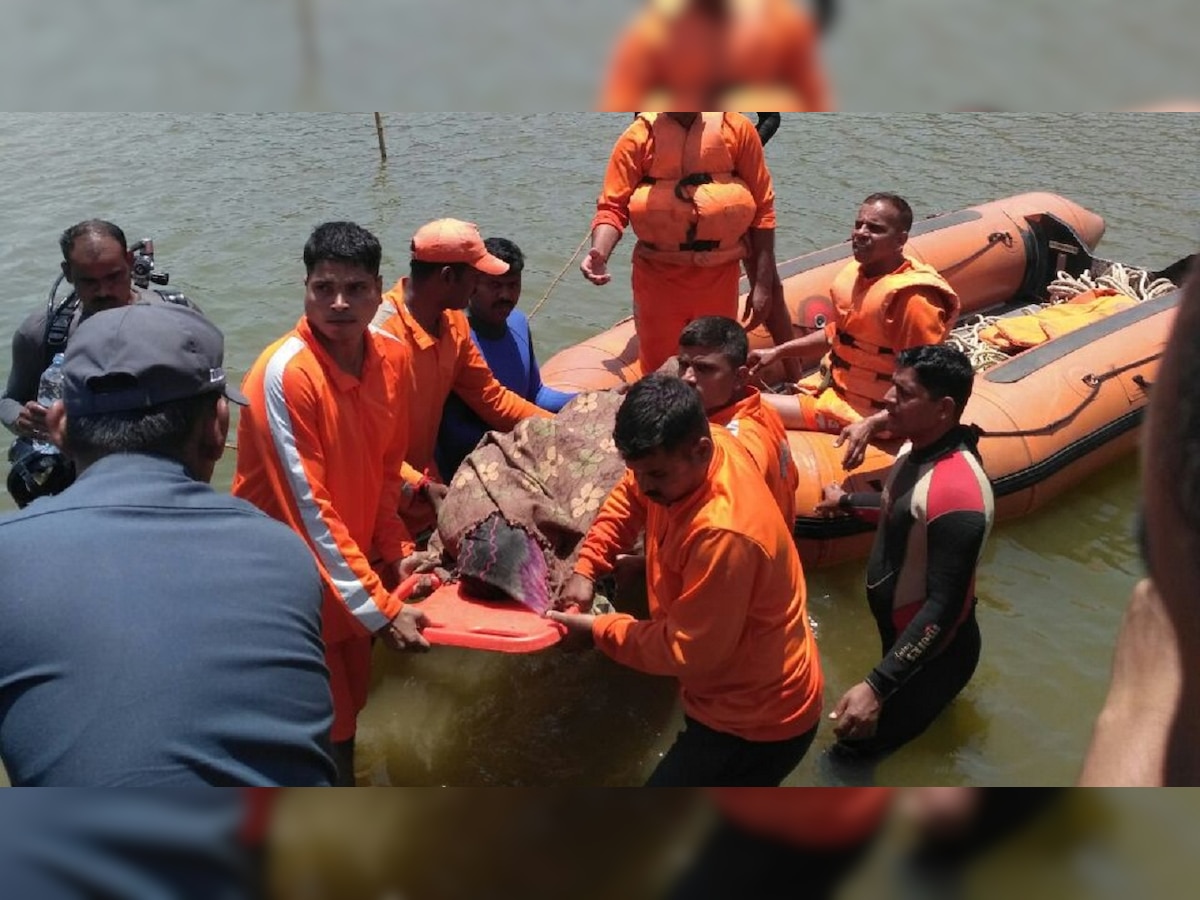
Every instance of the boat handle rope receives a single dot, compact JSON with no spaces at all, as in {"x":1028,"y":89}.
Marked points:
{"x":996,"y":237}
{"x":1094,"y":382}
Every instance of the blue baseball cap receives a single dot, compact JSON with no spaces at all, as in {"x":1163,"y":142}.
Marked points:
{"x":143,"y":355}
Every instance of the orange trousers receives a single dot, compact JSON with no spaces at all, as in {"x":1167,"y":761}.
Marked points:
{"x":667,"y":297}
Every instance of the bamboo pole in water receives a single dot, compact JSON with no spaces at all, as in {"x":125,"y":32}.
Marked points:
{"x":379,"y":134}
{"x":309,"y":60}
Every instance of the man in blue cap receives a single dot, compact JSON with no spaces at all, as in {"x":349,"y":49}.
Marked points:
{"x":181,"y":645}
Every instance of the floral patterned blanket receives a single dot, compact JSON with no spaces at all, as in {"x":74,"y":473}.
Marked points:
{"x":532,"y":492}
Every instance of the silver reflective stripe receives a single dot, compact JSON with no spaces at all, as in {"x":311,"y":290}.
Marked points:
{"x":279,"y":419}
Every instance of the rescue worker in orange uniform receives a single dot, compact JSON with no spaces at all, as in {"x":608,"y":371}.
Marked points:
{"x":696,"y":190}
{"x":884,"y":301}
{"x":320,"y":449}
{"x":712,"y":358}
{"x":726,"y":593}
{"x":778,"y":844}
{"x":728,"y":54}
{"x":424,"y":310}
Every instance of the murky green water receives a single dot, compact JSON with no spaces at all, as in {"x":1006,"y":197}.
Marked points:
{"x":231,"y":199}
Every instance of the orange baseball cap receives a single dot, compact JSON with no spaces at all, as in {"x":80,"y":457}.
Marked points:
{"x":454,"y":241}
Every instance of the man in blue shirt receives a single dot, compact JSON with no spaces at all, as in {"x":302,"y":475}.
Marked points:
{"x":156,"y":632}
{"x":501,"y":332}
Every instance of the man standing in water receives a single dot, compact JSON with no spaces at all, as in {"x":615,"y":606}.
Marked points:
{"x":934,"y":515}
{"x":98,"y":263}
{"x":320,"y":447}
{"x":726,"y":591}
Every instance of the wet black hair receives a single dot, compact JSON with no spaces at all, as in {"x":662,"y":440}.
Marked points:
{"x":658,"y":412}
{"x":897,"y":203}
{"x":343,"y":242}
{"x":506,"y":250}
{"x":97,"y":227}
{"x":718,"y":333}
{"x":942,"y":370}
{"x":164,"y":429}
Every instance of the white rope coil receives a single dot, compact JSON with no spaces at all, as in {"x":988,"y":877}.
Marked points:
{"x":1128,"y":280}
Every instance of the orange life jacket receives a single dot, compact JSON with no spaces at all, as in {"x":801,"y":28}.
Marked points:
{"x":1017,"y":333}
{"x":862,"y":358}
{"x":691,"y":207}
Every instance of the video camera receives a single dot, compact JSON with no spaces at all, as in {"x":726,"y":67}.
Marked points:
{"x":143,"y":265}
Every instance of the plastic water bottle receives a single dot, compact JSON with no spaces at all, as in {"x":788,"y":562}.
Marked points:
{"x":50,"y":388}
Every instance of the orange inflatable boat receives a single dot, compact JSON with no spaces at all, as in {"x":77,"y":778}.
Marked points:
{"x":989,"y":253}
{"x":1051,"y":415}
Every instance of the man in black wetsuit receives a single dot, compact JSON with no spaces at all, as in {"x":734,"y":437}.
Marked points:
{"x":99,"y":265}
{"x":934,"y":514}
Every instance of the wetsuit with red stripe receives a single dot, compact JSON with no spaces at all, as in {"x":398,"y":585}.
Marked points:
{"x":935,"y":514}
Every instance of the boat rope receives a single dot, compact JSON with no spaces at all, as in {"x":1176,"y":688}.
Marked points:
{"x":1128,"y":280}
{"x":996,"y":237}
{"x":1094,"y":383}
{"x":557,"y":278}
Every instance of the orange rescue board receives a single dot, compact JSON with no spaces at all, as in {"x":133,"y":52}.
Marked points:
{"x":456,"y":620}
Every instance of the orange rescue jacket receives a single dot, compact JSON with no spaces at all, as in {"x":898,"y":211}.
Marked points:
{"x":727,"y":600}
{"x":440,"y":365}
{"x":321,"y":450}
{"x":691,"y":207}
{"x":876,"y":319}
{"x":760,"y":430}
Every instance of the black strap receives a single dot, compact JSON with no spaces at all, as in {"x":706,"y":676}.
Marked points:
{"x":851,"y":341}
{"x":58,"y":327}
{"x":689,"y":246}
{"x":694,"y":180}
{"x":837,"y":362}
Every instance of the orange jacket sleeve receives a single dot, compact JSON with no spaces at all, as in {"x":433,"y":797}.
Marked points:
{"x":478,"y":387}
{"x":702,"y":626}
{"x":344,"y":565}
{"x":751,"y":165}
{"x":626,"y":166}
{"x":920,"y":317}
{"x":621,"y":518}
{"x":757,"y":443}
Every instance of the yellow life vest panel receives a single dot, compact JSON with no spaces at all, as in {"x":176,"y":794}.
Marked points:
{"x":862,"y":358}
{"x":691,"y":207}
{"x":1017,"y":333}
